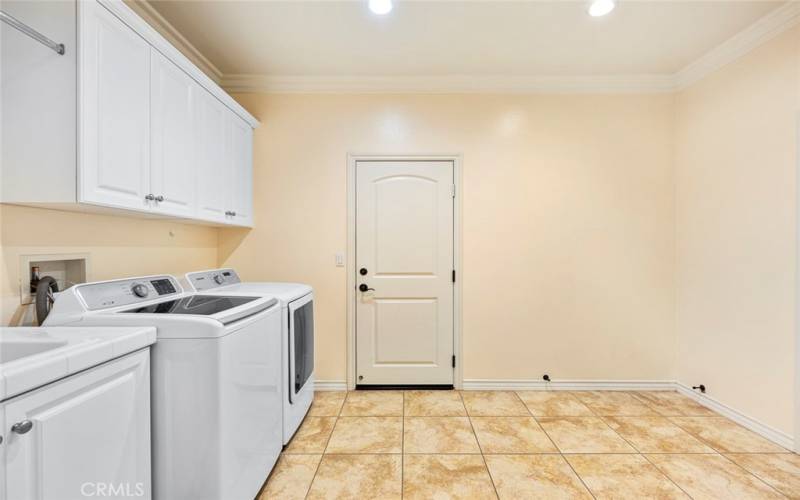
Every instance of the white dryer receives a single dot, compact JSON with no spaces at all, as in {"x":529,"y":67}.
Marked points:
{"x":297,"y":319}
{"x":216,"y":377}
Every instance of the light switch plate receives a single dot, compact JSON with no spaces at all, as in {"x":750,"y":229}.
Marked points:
{"x":339,"y":259}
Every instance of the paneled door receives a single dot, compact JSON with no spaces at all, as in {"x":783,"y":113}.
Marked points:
{"x":114,"y":137}
{"x":213,"y":165}
{"x":83,"y":435}
{"x":173,"y":144}
{"x":240,"y":153}
{"x":404,"y":272}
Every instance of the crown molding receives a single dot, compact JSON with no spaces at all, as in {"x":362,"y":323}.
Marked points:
{"x":449,"y":84}
{"x":766,"y":28}
{"x":761,"y":31}
{"x":144,"y":9}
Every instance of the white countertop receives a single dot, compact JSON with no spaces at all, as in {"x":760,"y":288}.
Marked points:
{"x":64,"y":351}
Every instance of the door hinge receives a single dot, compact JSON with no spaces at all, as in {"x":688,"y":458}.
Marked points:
{"x":454,"y":275}
{"x":454,"y":360}
{"x":453,"y":190}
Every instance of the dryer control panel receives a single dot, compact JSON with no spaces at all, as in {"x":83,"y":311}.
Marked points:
{"x":207,"y":280}
{"x":128,"y":291}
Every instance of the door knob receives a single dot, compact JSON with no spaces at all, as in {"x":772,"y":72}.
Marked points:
{"x":22,"y":427}
{"x":364,"y":288}
{"x":150,"y":197}
{"x":159,"y":198}
{"x":363,"y":271}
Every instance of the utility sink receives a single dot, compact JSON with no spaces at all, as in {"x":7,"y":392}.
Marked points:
{"x":14,"y":349}
{"x":33,"y":357}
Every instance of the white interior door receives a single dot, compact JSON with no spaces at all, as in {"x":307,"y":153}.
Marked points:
{"x":404,"y":254}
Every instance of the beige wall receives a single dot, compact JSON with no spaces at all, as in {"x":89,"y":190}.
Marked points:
{"x":568,"y":221}
{"x":617,"y":237}
{"x":118,"y":247}
{"x":736,"y":231}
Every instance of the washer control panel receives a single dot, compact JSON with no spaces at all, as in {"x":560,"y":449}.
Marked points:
{"x":207,"y":280}
{"x":128,"y":291}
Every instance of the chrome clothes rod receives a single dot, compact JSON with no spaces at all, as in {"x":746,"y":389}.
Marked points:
{"x":17,"y":24}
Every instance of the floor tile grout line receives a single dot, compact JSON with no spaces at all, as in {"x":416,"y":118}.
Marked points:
{"x":516,"y":393}
{"x":568,"y":394}
{"x":710,"y":445}
{"x":664,"y":473}
{"x":569,"y":464}
{"x":584,"y":403}
{"x":483,"y":458}
{"x":403,"y":449}
{"x":670,"y":422}
{"x":754,"y":475}
{"x":561,"y":454}
{"x":620,"y":436}
{"x":327,"y":442}
{"x":639,"y":452}
{"x":697,"y":436}
{"x":566,"y":453}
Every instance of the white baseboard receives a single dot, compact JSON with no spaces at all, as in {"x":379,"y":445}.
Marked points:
{"x":567,"y":385}
{"x":330,"y":385}
{"x":776,"y":436}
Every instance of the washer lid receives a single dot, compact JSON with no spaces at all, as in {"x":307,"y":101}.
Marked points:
{"x":198,"y":305}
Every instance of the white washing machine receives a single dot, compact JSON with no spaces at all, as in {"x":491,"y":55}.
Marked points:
{"x":216,"y":380}
{"x":297,"y":319}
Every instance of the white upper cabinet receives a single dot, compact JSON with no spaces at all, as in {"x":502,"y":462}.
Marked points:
{"x":114,"y":114}
{"x":173,"y":141}
{"x":240,"y":154}
{"x":145,"y":133}
{"x":213,"y":169}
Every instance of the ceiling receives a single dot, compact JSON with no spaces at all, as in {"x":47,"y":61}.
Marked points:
{"x":466,"y":38}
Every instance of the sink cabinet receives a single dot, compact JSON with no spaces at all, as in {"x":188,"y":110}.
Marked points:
{"x":122,"y":122}
{"x":89,"y":433}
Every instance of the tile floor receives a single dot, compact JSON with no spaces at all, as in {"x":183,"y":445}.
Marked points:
{"x":526,"y":444}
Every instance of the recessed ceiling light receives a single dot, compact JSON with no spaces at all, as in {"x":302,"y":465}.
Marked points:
{"x":380,"y":7}
{"x":601,"y":7}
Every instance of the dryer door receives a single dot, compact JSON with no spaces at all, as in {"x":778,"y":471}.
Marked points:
{"x":301,"y":344}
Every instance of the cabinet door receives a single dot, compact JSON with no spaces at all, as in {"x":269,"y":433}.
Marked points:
{"x":240,"y":154}
{"x":90,"y":431}
{"x":172,"y":138}
{"x":114,"y":117}
{"x":213,"y":169}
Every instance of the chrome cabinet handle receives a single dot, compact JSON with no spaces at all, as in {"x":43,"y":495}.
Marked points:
{"x":150,"y":197}
{"x":233,"y":214}
{"x":22,"y":427}
{"x":159,"y":198}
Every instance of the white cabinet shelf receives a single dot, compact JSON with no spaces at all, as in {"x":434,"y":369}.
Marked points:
{"x":147,"y":133}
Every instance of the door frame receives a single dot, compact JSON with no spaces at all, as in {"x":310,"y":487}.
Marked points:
{"x":797,"y":288}
{"x":350,"y":268}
